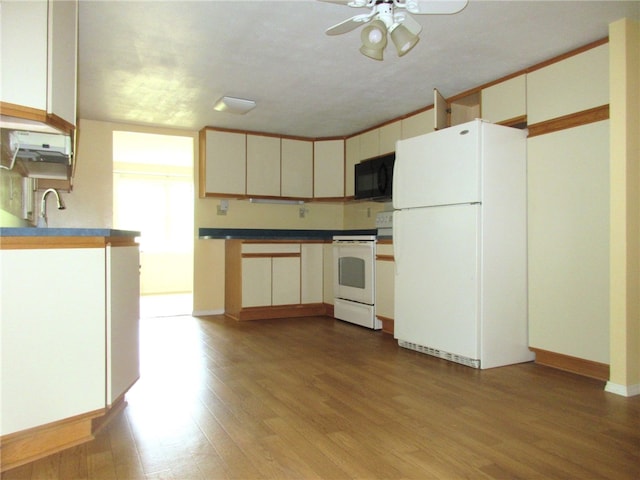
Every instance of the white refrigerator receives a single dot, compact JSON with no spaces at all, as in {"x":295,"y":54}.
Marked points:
{"x":460,"y":244}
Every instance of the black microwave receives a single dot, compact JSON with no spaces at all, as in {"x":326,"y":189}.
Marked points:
{"x":374,"y":178}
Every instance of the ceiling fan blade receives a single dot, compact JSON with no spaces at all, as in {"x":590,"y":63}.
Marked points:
{"x":351,"y":3}
{"x":435,"y":7}
{"x":349,"y":24}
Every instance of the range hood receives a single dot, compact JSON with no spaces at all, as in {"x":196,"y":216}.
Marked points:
{"x":41,"y":155}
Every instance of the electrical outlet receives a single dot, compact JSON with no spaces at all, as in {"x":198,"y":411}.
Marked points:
{"x":223,"y":207}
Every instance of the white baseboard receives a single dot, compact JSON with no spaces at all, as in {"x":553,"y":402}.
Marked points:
{"x":204,"y":313}
{"x":624,"y":390}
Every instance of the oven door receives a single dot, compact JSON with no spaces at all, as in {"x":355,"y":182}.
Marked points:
{"x":353,"y":272}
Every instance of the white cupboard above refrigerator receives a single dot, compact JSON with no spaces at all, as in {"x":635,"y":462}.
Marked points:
{"x":459,"y":237}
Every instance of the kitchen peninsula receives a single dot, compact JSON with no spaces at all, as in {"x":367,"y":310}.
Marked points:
{"x":69,"y":324}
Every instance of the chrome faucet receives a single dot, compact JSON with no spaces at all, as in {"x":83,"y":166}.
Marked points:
{"x":42,"y":220}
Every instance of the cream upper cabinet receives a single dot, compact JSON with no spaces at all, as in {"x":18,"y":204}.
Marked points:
{"x":572,"y":85}
{"x":369,"y":144}
{"x":39,"y":58}
{"x":297,"y":168}
{"x":417,"y":124}
{"x":352,"y":156}
{"x":223,"y":158}
{"x":505,"y":101}
{"x":263,"y":165}
{"x":328,"y":169}
{"x":389,"y":134}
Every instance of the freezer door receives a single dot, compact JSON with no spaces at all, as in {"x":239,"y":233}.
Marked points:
{"x":437,"y":288}
{"x":439,"y":168}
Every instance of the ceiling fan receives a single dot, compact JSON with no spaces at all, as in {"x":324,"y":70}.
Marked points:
{"x":392,"y":17}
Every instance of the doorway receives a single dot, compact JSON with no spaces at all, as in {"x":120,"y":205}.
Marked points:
{"x":153,"y":193}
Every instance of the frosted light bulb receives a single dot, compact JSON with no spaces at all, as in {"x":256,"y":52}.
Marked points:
{"x":375,"y":35}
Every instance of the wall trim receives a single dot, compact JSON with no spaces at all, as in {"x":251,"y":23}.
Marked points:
{"x":34,"y":443}
{"x":623,"y":390}
{"x":205,"y":313}
{"x":580,"y":366}
{"x":388,"y":324}
{"x":577,"y":119}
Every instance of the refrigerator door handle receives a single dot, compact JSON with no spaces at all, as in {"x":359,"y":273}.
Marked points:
{"x":396,"y":242}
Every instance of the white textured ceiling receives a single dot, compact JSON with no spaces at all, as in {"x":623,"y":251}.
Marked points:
{"x":165,"y":63}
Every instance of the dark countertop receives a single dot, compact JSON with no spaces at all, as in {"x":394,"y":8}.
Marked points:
{"x":65,"y":232}
{"x":275,"y":234}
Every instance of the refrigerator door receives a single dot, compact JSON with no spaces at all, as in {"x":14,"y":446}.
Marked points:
{"x":439,"y":168}
{"x":437,"y":288}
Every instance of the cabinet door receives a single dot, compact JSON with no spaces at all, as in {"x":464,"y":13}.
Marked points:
{"x":385,"y":276}
{"x":224,"y":162}
{"x":285,"y":281}
{"x":123,"y":312}
{"x":63,"y":47}
{"x":297,"y":168}
{"x":389,"y":135}
{"x":256,"y":282}
{"x":352,"y":156}
{"x":41,"y":35}
{"x":568,"y":241}
{"x":311,"y":273}
{"x":53,"y":334}
{"x":370,"y":144}
{"x":328,"y":169}
{"x":263,"y":165}
{"x":505,"y":100}
{"x":327,"y":273}
{"x":24,"y":44}
{"x":418,"y":124}
{"x":575,"y":84}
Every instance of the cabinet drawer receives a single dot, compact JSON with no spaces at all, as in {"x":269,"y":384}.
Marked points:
{"x":267,"y":248}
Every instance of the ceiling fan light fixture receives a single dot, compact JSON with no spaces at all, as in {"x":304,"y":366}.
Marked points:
{"x":403,"y":39}
{"x":374,"y":39}
{"x":239,"y":106}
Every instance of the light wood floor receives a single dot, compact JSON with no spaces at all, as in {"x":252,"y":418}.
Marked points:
{"x":318,"y":398}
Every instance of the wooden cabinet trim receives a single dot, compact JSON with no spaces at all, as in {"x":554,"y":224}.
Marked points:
{"x":18,"y":243}
{"x":385,"y":258}
{"x":271,"y":255}
{"x":585,"y":117}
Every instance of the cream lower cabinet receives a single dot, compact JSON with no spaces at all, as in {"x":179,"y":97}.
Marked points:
{"x":568,"y":239}
{"x":122,"y":314}
{"x":311,"y":288}
{"x":69,"y":345}
{"x":53,"y":335}
{"x":271,"y":280}
{"x":385,"y":278}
